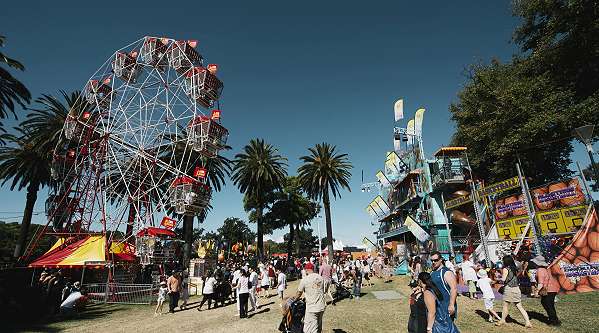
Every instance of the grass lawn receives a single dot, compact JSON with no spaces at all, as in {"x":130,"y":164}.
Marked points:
{"x":368,"y":314}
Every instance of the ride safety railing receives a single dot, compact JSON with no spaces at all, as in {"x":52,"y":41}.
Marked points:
{"x":121,"y":293}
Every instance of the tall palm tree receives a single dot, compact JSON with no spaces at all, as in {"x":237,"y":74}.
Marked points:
{"x":22,"y":163}
{"x":12,"y":91}
{"x":28,"y":157}
{"x":324,"y":171}
{"x":256,"y":172}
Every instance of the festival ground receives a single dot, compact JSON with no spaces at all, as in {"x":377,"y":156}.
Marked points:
{"x":368,"y":314}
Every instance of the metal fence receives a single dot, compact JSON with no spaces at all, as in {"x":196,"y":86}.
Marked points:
{"x":121,"y":293}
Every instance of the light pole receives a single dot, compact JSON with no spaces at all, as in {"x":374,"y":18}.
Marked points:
{"x":585,"y":135}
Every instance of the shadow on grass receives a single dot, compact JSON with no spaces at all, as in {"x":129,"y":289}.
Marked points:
{"x":259,"y":312}
{"x":89,"y":313}
{"x":338,"y":330}
{"x":265,"y":304}
{"x":538,"y":316}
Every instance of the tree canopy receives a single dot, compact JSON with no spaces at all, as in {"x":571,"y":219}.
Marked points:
{"x":528,"y":107}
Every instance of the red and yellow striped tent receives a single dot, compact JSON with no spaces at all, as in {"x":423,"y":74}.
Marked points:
{"x":89,"y":252}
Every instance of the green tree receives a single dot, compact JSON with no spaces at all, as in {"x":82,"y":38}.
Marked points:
{"x":561,"y":38}
{"x":324,"y":171}
{"x":46,"y":119}
{"x":291,"y":208}
{"x":12,"y":91}
{"x":235,"y":230}
{"x":25,"y":166}
{"x":218,"y":168}
{"x":502,"y":114}
{"x":259,"y":170}
{"x":306,"y":239}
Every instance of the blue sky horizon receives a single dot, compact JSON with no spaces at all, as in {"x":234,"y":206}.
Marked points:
{"x":295,"y":74}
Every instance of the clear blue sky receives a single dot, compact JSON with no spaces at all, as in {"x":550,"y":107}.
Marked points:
{"x":295,"y":73}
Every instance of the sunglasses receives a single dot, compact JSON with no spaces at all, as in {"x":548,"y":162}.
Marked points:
{"x":435,"y":260}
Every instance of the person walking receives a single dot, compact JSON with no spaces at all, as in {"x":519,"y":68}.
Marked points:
{"x":312,"y":287}
{"x":445,"y":281}
{"x":511,"y":293}
{"x":254,"y":284}
{"x":174,"y":288}
{"x":438,"y":320}
{"x":242,"y":285}
{"x":484,"y":283}
{"x":548,"y":287}
{"x":326,"y":271}
{"x":184,"y":290}
{"x":469,"y":274}
{"x":208,"y":292}
{"x":281,"y":283}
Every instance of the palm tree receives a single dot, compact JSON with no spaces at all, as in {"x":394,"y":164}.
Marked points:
{"x":12,"y":91}
{"x":325,"y":170}
{"x":46,"y":120}
{"x":28,"y":158}
{"x":256,"y":172}
{"x":22,"y":163}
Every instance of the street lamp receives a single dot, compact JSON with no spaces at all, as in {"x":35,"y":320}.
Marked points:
{"x":585,"y":135}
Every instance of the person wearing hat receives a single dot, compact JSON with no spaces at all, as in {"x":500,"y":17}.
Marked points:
{"x":484,"y":283}
{"x":313,"y":288}
{"x":548,"y":287}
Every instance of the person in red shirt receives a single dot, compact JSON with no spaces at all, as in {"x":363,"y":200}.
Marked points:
{"x":548,"y":287}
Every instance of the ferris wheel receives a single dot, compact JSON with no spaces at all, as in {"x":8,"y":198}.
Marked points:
{"x":131,"y":154}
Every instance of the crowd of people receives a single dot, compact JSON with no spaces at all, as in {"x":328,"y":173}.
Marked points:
{"x":435,"y":289}
{"x":249,"y":284}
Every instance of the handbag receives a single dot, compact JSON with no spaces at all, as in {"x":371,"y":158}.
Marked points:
{"x":543,"y":291}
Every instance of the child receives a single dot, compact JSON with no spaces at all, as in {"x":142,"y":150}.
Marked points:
{"x":161,"y":297}
{"x":484,"y":283}
{"x":281,"y":283}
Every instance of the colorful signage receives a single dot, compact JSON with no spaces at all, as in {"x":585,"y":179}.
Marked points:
{"x":502,"y":186}
{"x":576,"y":268}
{"x":168,"y":223}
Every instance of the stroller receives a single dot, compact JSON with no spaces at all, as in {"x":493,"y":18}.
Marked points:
{"x":293,"y":316}
{"x":341,"y":292}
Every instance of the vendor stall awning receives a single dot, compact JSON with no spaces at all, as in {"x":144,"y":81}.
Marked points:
{"x":449,"y":151}
{"x":88,"y":249}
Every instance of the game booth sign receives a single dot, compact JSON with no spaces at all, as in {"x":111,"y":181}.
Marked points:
{"x":560,"y":209}
{"x":566,"y":224}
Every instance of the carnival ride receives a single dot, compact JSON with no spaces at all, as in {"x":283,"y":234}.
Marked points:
{"x":133,"y":150}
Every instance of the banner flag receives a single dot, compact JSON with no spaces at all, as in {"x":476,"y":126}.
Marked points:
{"x":398,"y":110}
{"x":410,"y":132}
{"x":418,"y":118}
{"x":382,"y":179}
{"x":397,"y":144}
{"x":392,"y":163}
{"x":416,"y":230}
{"x":382,"y":204}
